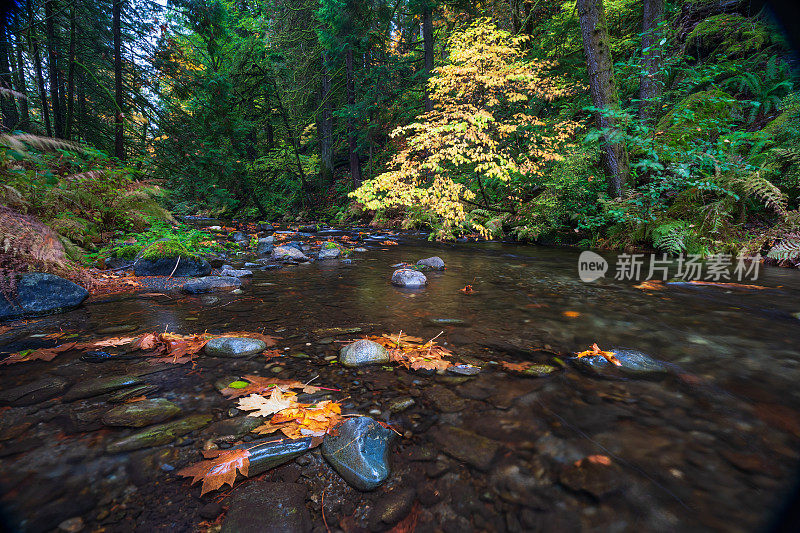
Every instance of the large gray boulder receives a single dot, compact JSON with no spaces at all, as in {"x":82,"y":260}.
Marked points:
{"x":408,"y":278}
{"x":363,"y":352}
{"x":211,"y":283}
{"x":432,"y":263}
{"x":265,"y":245}
{"x":288,"y":253}
{"x":42,"y":294}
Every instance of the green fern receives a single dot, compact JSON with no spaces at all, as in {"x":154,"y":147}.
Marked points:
{"x":671,"y":236}
{"x":787,"y":249}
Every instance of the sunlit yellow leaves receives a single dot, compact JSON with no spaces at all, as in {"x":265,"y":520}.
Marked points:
{"x":479,"y":129}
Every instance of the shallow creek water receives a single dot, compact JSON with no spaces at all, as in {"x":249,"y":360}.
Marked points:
{"x":711,"y":447}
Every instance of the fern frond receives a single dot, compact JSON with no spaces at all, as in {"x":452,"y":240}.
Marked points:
{"x":19,"y":140}
{"x":12,"y":93}
{"x":757,"y":185}
{"x":787,"y":249}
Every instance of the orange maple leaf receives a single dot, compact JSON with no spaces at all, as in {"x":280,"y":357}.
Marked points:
{"x":219,"y":469}
{"x":595,"y":350}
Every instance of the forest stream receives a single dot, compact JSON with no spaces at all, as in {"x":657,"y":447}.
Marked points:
{"x":705,"y":440}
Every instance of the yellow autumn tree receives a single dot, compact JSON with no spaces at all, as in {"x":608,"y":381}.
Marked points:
{"x":482,"y":139}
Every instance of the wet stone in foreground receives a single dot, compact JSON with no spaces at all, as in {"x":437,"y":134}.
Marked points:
{"x":234,"y":347}
{"x":360,"y":452}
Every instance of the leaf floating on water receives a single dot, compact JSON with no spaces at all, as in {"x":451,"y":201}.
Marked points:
{"x":571,"y":314}
{"x":219,"y":469}
{"x":595,"y":350}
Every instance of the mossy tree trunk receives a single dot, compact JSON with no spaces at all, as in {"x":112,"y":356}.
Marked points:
{"x":652,"y":54}
{"x":603,"y":88}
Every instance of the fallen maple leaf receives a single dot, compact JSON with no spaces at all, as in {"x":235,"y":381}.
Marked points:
{"x":304,"y":420}
{"x":413,"y":353}
{"x":219,"y":469}
{"x":267,"y":406}
{"x":42,"y":354}
{"x":114,"y":341}
{"x":595,"y":350}
{"x":258,"y":384}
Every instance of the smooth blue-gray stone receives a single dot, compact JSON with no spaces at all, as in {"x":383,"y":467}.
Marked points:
{"x":363,"y":352}
{"x":234,"y":347}
{"x":360,"y":452}
{"x":411,"y":279}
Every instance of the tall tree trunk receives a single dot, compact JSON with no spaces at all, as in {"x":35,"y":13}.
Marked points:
{"x":71,"y":73}
{"x":652,"y":53}
{"x":25,"y":117}
{"x":7,"y":103}
{"x":603,"y":88}
{"x":427,"y":37}
{"x":325,"y":127}
{"x":355,"y":162}
{"x":40,"y":82}
{"x":119,"y":146}
{"x":52,"y":66}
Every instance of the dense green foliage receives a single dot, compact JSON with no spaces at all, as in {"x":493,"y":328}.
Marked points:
{"x":272,"y":109}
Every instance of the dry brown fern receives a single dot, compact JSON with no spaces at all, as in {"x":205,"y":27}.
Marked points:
{"x":27,"y":245}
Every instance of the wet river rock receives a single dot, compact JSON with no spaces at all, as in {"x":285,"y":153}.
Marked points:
{"x":235,"y":273}
{"x":632,"y":364}
{"x":234,"y":347}
{"x":211,"y":283}
{"x":360,"y":452}
{"x":140,"y":414}
{"x":288,"y":253}
{"x":408,"y":278}
{"x":329,"y":253}
{"x":33,"y":393}
{"x":160,"y":434}
{"x":266,"y":507}
{"x":186,"y":267}
{"x":98,"y":386}
{"x":363,"y":352}
{"x":468,"y":447}
{"x":42,"y":294}
{"x":431,"y":263}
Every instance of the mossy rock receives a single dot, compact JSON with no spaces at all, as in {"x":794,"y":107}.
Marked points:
{"x":128,"y":252}
{"x":729,"y":34}
{"x":165,"y":249}
{"x":785,"y":126}
{"x":701,"y":116}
